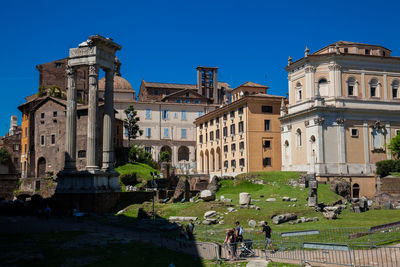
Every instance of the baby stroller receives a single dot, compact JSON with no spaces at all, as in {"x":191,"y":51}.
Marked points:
{"x":246,"y":250}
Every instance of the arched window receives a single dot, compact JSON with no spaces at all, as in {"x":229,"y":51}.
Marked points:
{"x":351,"y":87}
{"x":298,"y":138}
{"x":356,"y":190}
{"x":373,"y":87}
{"x":299,"y":92}
{"x":323,"y":87}
{"x":395,"y":89}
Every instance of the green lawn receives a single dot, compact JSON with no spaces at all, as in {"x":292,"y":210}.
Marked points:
{"x":143,"y":170}
{"x":275,"y":186}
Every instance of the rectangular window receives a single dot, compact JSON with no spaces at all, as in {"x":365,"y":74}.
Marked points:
{"x":26,"y":131}
{"x":394,"y":92}
{"x":217,"y":120}
{"x":55,"y":114}
{"x":397,"y":132}
{"x":148,"y":113}
{"x":233,"y":163}
{"x":240,"y":127}
{"x":183,"y":133}
{"x":240,"y":110}
{"x":217,"y":134}
{"x":233,"y":147}
{"x":241,"y":146}
{"x":201,"y":139}
{"x":201,"y":126}
{"x":232,"y":114}
{"x":367,"y":51}
{"x":354,"y":132}
{"x":148,"y":132}
{"x":266,"y":162}
{"x":200,"y":113}
{"x":197,"y":101}
{"x":212,"y":122}
{"x":178,"y":101}
{"x":42,"y":115}
{"x":267,"y":126}
{"x":267,"y":144}
{"x":166,"y":132}
{"x":225,"y":148}
{"x":183,"y":115}
{"x":225,"y":131}
{"x":25,"y":147}
{"x":241,"y":163}
{"x":187,"y":101}
{"x":211,"y":136}
{"x":232,"y":129}
{"x":373,"y":91}
{"x":165,"y":114}
{"x":147,"y":149}
{"x":16,"y":147}
{"x":206,"y":124}
{"x":53,"y":139}
{"x":266,"y":109}
{"x":167,"y":92}
{"x":126,"y":132}
{"x":206,"y":137}
{"x":155,"y":92}
{"x":351,"y":90}
{"x":225,"y":116}
{"x":225,"y":164}
{"x":42,"y":140}
{"x":346,"y":50}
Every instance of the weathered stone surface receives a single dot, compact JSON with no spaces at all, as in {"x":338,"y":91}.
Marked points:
{"x":388,"y":205}
{"x":278,"y":219}
{"x":260,"y":223}
{"x":257,"y":263}
{"x":293,"y":199}
{"x":341,"y":187}
{"x":214,"y":185}
{"x":330,"y":215}
{"x":182,"y":190}
{"x":209,"y":214}
{"x":181,"y":218}
{"x":244,"y":198}
{"x":270,"y":199}
{"x":285,"y":198}
{"x":206,"y":222}
{"x":231,"y":209}
{"x":207,"y":195}
{"x":252,"y":223}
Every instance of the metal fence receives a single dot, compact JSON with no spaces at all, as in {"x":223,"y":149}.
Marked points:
{"x":356,"y":236}
{"x":322,"y":253}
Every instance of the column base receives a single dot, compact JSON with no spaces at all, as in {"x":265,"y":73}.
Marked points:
{"x":88,"y":181}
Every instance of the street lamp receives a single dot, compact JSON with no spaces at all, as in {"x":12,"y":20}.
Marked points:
{"x":154,"y":187}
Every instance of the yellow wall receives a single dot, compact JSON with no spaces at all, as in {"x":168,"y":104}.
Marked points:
{"x":354,"y":145}
{"x":24,"y":140}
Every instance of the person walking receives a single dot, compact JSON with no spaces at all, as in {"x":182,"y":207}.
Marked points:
{"x":239,"y":232}
{"x":230,"y":242}
{"x":268,"y":242}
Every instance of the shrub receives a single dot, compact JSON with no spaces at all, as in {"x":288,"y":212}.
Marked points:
{"x":165,"y":157}
{"x":138,"y":154}
{"x":129,"y":179}
{"x":5,"y":156}
{"x":385,"y":167}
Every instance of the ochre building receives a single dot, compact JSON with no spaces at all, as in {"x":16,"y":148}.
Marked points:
{"x":243,"y":136}
{"x":343,"y":110}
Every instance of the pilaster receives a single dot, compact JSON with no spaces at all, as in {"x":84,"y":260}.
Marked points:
{"x":310,"y":81}
{"x":366,"y":146}
{"x":363,"y":91}
{"x":341,"y":133}
{"x":385,"y":87}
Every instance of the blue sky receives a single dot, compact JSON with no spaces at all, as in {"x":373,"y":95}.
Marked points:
{"x":164,"y":41}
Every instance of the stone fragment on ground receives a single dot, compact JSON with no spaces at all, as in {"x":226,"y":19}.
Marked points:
{"x":258,"y":263}
{"x":244,"y":199}
{"x":271,"y":199}
{"x":285,"y":198}
{"x":207,"y":195}
{"x":181,"y":218}
{"x":209,"y":214}
{"x":278,"y":219}
{"x":231,"y":209}
{"x":252,"y":223}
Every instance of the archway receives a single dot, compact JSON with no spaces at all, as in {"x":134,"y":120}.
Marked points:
{"x":356,"y":190}
{"x":183,"y":153}
{"x":168,"y":149}
{"x":218,"y":159}
{"x":212,"y":160}
{"x":41,"y":167}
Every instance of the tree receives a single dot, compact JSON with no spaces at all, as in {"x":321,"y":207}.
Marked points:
{"x":130,"y":124}
{"x":165,"y":157}
{"x":5,"y":156}
{"x":394,"y":146}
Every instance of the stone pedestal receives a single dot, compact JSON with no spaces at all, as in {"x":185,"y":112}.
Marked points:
{"x":87,"y":182}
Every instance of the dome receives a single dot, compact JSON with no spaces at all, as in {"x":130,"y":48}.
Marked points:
{"x":120,"y":84}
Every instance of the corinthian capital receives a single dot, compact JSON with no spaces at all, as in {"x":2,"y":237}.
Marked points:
{"x":319,"y":121}
{"x":340,"y":121}
{"x":309,"y":69}
{"x":93,"y":70}
{"x":334,"y":67}
{"x":70,"y":71}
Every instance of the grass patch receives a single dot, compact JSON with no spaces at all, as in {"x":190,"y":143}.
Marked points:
{"x":143,"y":170}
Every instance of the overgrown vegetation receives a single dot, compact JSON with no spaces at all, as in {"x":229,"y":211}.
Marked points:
{"x":165,"y":156}
{"x":394,"y":146}
{"x":385,"y":167}
{"x":134,"y":173}
{"x":5,"y":156}
{"x":137,"y":154}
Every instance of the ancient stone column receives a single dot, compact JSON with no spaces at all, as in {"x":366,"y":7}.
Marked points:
{"x":92,"y":118}
{"x":108,"y":122}
{"x":70,"y":135}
